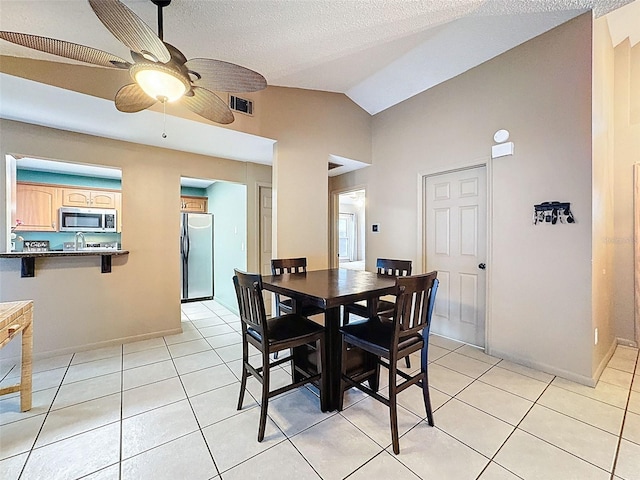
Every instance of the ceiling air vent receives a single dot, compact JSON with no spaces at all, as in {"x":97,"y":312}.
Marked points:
{"x":241,"y":105}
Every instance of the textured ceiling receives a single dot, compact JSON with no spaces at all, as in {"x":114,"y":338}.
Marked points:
{"x":378,"y":52}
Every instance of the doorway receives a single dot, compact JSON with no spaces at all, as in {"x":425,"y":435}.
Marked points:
{"x":225,"y":204}
{"x":455,"y":233}
{"x":265,"y":209}
{"x":636,"y":253}
{"x":349,"y":229}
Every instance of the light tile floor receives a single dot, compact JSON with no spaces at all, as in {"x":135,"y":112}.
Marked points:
{"x":165,"y":409}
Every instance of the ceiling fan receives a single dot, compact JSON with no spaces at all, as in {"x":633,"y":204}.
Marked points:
{"x":161,"y":72}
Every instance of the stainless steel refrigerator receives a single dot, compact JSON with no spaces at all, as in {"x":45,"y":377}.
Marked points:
{"x":196,"y":248}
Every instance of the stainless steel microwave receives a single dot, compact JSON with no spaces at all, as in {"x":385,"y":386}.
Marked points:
{"x":87,"y":220}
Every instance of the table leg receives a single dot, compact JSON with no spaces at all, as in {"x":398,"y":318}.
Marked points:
{"x":333,"y":349}
{"x":26,"y":371}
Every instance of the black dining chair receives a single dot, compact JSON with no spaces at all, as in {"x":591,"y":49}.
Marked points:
{"x":408,"y":332}
{"x":270,"y":336}
{"x":294,"y":266}
{"x":384,"y":266}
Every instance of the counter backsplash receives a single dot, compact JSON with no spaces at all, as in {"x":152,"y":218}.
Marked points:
{"x":57,"y":239}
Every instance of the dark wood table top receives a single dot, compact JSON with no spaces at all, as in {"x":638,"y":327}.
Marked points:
{"x":331,"y":288}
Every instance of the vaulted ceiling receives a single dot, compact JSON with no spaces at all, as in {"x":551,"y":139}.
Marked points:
{"x":377,"y":52}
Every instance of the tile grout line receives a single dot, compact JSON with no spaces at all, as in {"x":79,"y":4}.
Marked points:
{"x":45,"y":419}
{"x":624,"y":417}
{"x":457,"y":349}
{"x":286,"y":437}
{"x":492,"y":459}
{"x":204,"y":439}
{"x":121,"y":411}
{"x":573,"y":418}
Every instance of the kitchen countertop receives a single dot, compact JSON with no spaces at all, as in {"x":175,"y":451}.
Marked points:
{"x":28,"y":268}
{"x":62,"y":253}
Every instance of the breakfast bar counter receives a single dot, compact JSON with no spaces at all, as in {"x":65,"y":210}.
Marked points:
{"x":29,"y":258}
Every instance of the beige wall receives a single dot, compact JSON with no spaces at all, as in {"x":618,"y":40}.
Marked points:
{"x":627,"y":153}
{"x":77,"y":306}
{"x":540,"y":276}
{"x":309,"y":126}
{"x":603,"y":205}
{"x":141,"y":296}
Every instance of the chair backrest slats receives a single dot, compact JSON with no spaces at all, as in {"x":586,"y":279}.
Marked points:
{"x":288,"y":265}
{"x":414,"y":303}
{"x":394,"y":268}
{"x":250,"y":301}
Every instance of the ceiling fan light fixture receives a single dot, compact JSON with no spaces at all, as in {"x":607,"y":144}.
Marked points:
{"x":159,"y":82}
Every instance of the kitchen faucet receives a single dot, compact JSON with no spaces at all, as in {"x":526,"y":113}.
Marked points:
{"x":80,"y":241}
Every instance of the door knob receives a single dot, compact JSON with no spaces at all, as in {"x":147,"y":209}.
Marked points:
{"x":482,"y":266}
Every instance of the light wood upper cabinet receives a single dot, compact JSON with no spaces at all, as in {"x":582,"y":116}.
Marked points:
{"x":118,"y":212}
{"x":37,"y":204}
{"x":193,"y":204}
{"x":103,"y":199}
{"x":37,"y":207}
{"x":76,"y":197}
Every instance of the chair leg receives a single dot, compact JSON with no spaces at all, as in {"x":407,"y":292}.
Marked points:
{"x":265,"y":395}
{"x":343,"y":371}
{"x":245,"y":373}
{"x":322,"y":365}
{"x":407,"y":361}
{"x":427,"y":397}
{"x":393,"y":407}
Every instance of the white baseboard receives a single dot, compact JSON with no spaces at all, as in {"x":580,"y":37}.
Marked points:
{"x":543,"y":367}
{"x":627,"y":343}
{"x":91,"y":346}
{"x":605,"y":360}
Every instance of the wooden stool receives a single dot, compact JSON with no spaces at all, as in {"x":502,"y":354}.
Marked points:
{"x":16,"y":317}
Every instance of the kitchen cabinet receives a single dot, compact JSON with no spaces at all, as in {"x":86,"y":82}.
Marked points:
{"x":37,"y":207}
{"x":193,"y":204}
{"x":37,"y":204}
{"x":118,"y":212}
{"x":76,"y":197}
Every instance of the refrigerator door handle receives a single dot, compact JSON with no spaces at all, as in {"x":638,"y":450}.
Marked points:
{"x":184,"y":240}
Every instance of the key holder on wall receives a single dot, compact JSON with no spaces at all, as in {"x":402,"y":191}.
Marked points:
{"x":552,"y":212}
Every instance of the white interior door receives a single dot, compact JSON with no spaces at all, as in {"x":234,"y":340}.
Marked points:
{"x":455,"y":224}
{"x":266,"y":212}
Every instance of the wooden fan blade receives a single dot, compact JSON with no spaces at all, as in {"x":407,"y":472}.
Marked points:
{"x":131,"y":99}
{"x":224,"y":77}
{"x":127,"y":27}
{"x":208,"y":105}
{"x":65,"y":49}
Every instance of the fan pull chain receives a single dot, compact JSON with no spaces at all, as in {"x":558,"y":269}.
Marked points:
{"x":164,"y":117}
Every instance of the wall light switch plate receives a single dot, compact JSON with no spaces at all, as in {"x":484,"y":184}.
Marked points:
{"x":375,"y":228}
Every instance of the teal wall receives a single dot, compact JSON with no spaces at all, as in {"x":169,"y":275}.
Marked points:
{"x":228,"y":204}
{"x":56,"y":239}
{"x":82,"y":181}
{"x":62,"y":179}
{"x":193,"y":192}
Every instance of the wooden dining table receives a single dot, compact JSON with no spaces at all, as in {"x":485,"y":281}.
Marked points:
{"x":330,"y":289}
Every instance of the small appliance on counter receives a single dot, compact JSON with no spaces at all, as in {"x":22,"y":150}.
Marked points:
{"x":35,"y":246}
{"x":89,"y":246}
